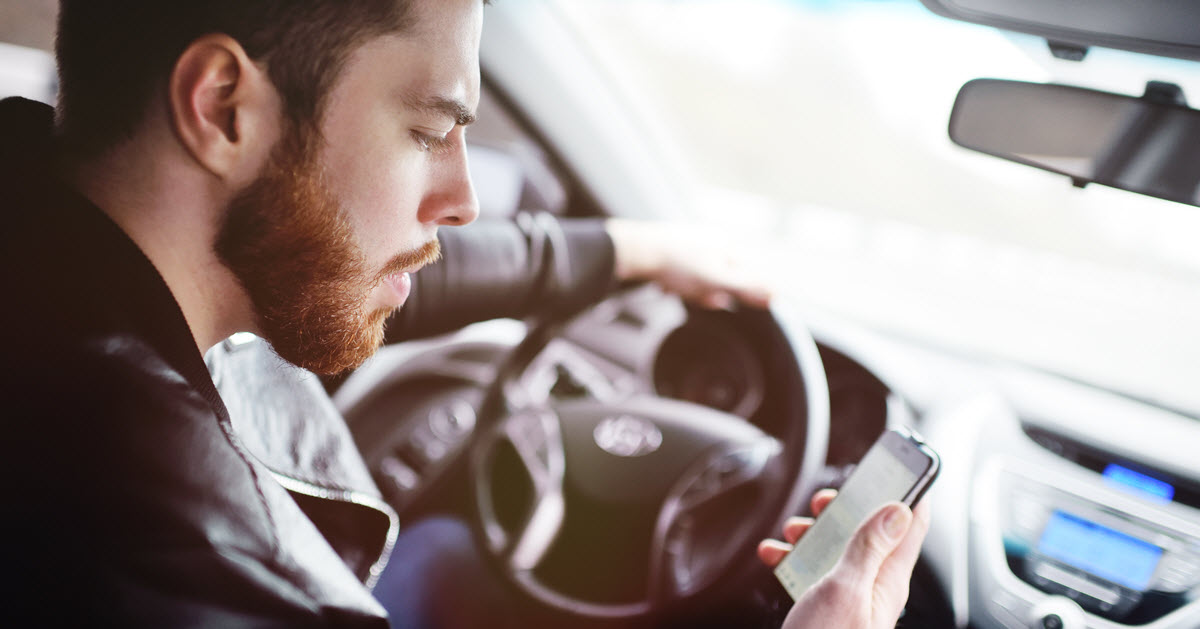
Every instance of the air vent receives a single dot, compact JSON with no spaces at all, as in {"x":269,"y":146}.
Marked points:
{"x":1183,"y":491}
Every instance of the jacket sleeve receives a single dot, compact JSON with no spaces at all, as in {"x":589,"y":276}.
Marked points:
{"x":499,"y":268}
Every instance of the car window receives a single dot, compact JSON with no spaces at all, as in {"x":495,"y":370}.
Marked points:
{"x":819,"y":128}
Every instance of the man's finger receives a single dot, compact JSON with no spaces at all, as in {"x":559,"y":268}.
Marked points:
{"x":717,"y":300}
{"x":821,"y":499}
{"x":874,"y":542}
{"x":891,"y":588}
{"x":795,"y":527}
{"x":755,"y":297}
{"x":771,"y":552}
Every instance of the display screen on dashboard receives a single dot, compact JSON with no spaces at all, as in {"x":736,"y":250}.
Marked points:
{"x":1099,"y":550}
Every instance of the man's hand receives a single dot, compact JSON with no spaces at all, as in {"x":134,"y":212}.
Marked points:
{"x":700,"y":266}
{"x":868,"y":587}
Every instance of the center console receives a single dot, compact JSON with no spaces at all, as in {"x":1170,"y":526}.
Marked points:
{"x":1060,"y":505}
{"x":1064,"y":534}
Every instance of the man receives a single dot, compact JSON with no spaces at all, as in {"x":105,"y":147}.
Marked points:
{"x":270,"y":166}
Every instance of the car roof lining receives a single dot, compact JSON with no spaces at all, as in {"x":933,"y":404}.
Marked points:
{"x":1157,"y":27}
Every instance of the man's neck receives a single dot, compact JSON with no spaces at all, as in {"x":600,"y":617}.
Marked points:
{"x":169,"y":209}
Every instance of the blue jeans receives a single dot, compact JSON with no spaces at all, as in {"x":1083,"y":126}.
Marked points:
{"x":437,"y":579}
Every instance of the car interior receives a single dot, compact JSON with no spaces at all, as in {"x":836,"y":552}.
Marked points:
{"x":618,"y":466}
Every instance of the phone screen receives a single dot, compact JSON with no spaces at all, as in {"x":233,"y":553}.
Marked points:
{"x":890,"y":471}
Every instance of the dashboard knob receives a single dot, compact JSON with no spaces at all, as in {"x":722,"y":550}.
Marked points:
{"x":1057,"y":612}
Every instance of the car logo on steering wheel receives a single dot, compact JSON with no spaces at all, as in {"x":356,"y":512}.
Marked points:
{"x":627,"y":436}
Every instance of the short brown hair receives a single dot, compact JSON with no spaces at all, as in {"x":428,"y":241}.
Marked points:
{"x":114,"y":54}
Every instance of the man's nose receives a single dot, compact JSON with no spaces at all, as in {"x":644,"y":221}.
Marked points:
{"x":451,"y":198}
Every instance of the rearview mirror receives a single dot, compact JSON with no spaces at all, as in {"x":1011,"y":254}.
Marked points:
{"x":1149,"y":145}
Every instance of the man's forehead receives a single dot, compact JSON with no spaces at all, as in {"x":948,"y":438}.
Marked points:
{"x":431,"y":78}
{"x":436,"y":62}
{"x":433,"y":18}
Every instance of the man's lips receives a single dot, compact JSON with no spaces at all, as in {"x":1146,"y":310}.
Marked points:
{"x":396,"y":285}
{"x":399,"y":285}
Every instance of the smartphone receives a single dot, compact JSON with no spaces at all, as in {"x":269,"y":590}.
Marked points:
{"x":899,"y":467}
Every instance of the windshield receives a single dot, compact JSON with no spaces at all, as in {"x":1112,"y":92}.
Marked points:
{"x":819,"y":128}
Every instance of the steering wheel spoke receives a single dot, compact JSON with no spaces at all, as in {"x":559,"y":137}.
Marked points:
{"x":726,"y":481}
{"x":726,"y":471}
{"x":537,"y":439}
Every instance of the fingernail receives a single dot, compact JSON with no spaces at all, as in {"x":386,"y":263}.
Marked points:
{"x":895,"y":523}
{"x":722,"y":301}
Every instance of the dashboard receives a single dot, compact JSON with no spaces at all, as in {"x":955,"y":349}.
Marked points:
{"x":1059,"y":505}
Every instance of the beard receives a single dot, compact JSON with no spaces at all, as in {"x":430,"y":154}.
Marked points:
{"x":292,"y":248}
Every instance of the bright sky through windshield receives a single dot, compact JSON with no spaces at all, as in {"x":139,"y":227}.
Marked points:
{"x":821,"y":127}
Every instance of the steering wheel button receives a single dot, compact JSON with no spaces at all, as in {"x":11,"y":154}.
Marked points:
{"x":1053,"y":621}
{"x":401,"y":476}
{"x":425,"y":449}
{"x":452,"y":421}
{"x":434,"y":450}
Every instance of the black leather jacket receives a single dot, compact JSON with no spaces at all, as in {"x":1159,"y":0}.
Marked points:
{"x":137,"y":495}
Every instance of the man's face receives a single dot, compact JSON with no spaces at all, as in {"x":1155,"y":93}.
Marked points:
{"x":325,"y":239}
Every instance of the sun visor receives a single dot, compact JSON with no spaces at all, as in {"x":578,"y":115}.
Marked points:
{"x":1159,"y":27}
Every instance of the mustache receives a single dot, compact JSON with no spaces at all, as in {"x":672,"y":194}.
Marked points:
{"x":424,"y":255}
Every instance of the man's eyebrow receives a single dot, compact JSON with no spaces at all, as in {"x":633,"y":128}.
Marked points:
{"x":449,"y":107}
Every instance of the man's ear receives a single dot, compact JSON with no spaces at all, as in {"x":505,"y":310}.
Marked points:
{"x":223,"y":107}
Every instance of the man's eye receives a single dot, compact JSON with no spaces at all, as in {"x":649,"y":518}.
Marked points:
{"x":432,"y":143}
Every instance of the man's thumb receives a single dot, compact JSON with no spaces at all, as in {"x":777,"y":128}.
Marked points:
{"x":873,"y":542}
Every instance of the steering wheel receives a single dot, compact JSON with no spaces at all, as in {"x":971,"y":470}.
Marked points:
{"x":624,"y":507}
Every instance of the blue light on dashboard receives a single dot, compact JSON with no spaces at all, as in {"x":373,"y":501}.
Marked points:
{"x":1140,"y":484}
{"x":1099,"y":550}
